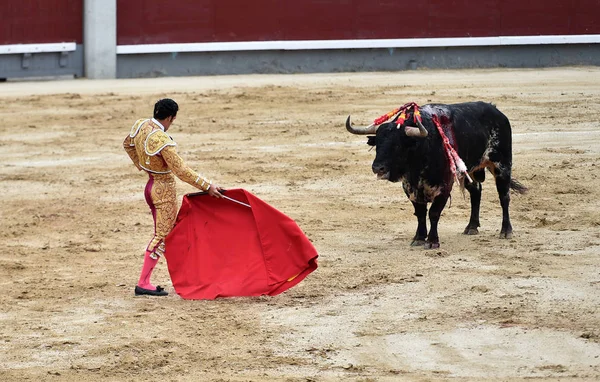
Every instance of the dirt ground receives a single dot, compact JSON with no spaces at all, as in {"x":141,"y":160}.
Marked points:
{"x":74,"y":224}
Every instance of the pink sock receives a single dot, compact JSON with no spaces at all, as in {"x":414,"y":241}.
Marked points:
{"x":147,"y":269}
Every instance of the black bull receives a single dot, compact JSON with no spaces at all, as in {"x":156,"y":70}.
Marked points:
{"x":481,"y":135}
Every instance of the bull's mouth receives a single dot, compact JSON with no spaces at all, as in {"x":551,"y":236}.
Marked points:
{"x":383,"y":175}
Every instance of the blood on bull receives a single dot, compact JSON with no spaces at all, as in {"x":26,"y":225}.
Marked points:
{"x":429,"y":148}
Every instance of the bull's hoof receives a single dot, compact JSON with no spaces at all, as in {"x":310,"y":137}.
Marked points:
{"x":431,"y":245}
{"x":506,"y":235}
{"x":470,"y":231}
{"x":417,"y":243}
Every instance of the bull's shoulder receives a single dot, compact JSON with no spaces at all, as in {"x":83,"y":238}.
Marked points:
{"x":435,"y":109}
{"x":467,"y":109}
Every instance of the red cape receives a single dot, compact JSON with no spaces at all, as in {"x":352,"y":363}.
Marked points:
{"x":220,"y":248}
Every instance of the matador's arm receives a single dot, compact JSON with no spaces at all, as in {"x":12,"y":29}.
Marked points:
{"x":129,"y":147}
{"x":182,"y":171}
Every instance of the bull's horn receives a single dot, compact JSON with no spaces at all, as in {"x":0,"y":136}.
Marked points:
{"x":419,"y":132}
{"x":371,"y":129}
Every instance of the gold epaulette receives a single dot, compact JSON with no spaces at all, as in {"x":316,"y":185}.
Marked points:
{"x":136,"y":127}
{"x":156,"y":141}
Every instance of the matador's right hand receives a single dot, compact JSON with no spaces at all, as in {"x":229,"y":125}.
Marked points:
{"x":214,"y":191}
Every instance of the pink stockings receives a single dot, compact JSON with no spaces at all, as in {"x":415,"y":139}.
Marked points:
{"x":149,"y":264}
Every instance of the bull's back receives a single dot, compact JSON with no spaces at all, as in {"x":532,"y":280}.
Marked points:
{"x":478,"y":128}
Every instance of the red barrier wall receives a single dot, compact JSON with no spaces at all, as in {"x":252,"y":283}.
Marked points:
{"x":186,"y":21}
{"x":41,"y":21}
{"x":181,"y":21}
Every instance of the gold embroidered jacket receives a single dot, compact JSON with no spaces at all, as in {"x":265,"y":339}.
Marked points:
{"x":153,"y":151}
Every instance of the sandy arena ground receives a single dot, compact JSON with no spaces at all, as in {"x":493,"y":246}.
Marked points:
{"x":75,"y":223}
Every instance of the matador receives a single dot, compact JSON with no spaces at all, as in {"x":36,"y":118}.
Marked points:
{"x":152,"y":150}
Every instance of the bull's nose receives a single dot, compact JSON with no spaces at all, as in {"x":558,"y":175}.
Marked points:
{"x":379,"y":169}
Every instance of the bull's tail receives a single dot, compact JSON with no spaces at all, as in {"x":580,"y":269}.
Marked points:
{"x":518,"y":187}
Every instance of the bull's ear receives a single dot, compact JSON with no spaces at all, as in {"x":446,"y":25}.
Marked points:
{"x":371,"y":140}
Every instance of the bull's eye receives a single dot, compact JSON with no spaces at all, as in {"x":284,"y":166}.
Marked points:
{"x":372,"y":141}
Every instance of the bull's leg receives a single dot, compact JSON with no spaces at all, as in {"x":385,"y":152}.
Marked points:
{"x":421,"y":214}
{"x":503,"y":187}
{"x":435,"y":211}
{"x":474,"y":189}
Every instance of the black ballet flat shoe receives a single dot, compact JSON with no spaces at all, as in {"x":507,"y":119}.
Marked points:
{"x":159,"y":291}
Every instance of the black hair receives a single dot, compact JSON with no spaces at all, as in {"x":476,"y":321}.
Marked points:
{"x":165,"y":108}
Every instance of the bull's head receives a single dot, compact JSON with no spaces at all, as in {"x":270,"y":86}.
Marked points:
{"x":393,"y":144}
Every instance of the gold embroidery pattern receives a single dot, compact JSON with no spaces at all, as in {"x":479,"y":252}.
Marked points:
{"x":182,"y":171}
{"x":150,"y":163}
{"x":156,"y":141}
{"x":164,"y":200}
{"x":136,"y":127}
{"x":129,"y":147}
